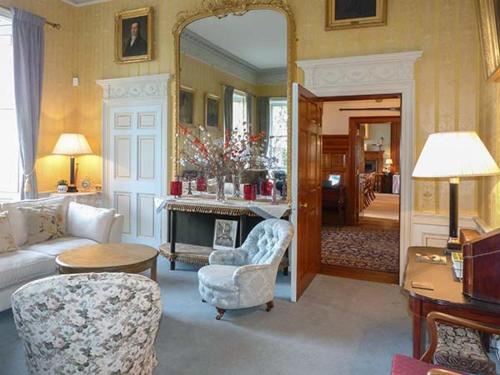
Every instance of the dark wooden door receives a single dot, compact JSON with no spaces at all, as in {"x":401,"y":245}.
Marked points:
{"x":309,"y":188}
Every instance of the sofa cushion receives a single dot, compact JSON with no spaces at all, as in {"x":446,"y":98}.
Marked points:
{"x":59,"y":245}
{"x":89,"y":222}
{"x":218,"y":277}
{"x":16,"y":218}
{"x":7,"y":242}
{"x":23,"y":266}
{"x":44,"y":222}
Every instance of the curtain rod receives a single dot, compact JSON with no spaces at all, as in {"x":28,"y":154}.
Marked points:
{"x":54,"y":25}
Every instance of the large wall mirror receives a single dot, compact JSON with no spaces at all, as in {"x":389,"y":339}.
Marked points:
{"x":233,"y":70}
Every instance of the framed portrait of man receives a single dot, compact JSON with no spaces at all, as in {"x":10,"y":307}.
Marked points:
{"x":186,"y":105}
{"x":346,"y":14}
{"x":134,"y":35}
{"x":212,"y":110}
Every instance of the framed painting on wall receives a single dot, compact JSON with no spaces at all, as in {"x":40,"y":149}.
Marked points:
{"x":489,"y":30}
{"x":347,"y":14}
{"x":134,"y":35}
{"x":212,"y":110}
{"x":186,"y":105}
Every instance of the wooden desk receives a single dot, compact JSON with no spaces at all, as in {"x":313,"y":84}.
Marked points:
{"x":446,"y":297}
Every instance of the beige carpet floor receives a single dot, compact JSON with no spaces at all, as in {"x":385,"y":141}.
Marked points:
{"x":385,"y":206}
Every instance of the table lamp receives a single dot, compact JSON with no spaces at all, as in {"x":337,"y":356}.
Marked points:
{"x":453,"y":155}
{"x":388,"y":164}
{"x":72,"y":144}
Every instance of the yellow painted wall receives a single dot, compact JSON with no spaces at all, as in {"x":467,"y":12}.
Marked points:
{"x":58,"y":111}
{"x":447,"y":76}
{"x":489,"y":188}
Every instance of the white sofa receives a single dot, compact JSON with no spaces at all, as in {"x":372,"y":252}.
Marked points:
{"x":85,"y":225}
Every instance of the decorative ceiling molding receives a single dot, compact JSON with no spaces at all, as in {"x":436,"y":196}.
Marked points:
{"x":199,"y":48}
{"x":82,"y":3}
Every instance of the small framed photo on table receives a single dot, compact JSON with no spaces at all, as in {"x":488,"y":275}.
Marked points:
{"x":134,"y":35}
{"x":225,"y":234}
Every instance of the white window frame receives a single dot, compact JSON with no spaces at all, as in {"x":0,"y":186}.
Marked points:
{"x":11,"y":195}
{"x":274,"y":102}
{"x":243,"y":96}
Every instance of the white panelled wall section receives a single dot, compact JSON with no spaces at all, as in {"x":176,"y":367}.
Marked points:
{"x":134,"y":153}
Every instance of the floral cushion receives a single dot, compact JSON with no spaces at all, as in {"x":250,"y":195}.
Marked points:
{"x":461,"y":349}
{"x":44,"y":222}
{"x":103,"y":323}
{"x":7,"y":242}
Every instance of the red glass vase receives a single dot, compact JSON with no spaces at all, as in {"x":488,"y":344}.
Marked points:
{"x":249,"y":192}
{"x":176,"y":188}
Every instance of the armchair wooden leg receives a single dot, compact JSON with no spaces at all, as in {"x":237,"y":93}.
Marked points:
{"x":220,"y":313}
{"x":269,"y":305}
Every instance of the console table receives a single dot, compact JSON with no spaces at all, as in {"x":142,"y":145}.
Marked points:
{"x":446,"y":297}
{"x":208,"y":207}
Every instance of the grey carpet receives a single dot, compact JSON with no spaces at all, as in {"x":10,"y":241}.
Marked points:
{"x":340,"y":326}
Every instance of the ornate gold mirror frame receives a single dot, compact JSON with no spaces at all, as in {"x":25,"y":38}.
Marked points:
{"x":222,"y":8}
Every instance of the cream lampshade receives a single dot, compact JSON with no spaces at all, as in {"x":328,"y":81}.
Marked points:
{"x":453,"y":155}
{"x":72,"y":144}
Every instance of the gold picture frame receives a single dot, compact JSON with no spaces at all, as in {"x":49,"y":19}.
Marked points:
{"x":186,"y":106}
{"x":489,"y":30}
{"x":131,"y":48}
{"x":349,"y":18}
{"x":212,"y":103}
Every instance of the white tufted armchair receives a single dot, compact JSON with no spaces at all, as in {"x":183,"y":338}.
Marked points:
{"x":246,"y":277}
{"x":93,"y":323}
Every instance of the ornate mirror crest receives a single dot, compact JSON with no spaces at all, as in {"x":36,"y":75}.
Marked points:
{"x":221,"y":9}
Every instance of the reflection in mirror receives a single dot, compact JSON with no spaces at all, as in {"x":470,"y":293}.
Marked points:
{"x":233,"y":84}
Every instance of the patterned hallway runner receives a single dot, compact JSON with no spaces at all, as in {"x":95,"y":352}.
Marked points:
{"x":362,"y":247}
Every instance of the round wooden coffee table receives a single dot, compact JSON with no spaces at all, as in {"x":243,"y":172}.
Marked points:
{"x":109,"y":257}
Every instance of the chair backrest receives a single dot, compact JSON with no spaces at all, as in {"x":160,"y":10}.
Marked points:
{"x":93,"y":323}
{"x":267,"y":241}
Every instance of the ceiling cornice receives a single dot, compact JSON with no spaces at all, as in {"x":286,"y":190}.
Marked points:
{"x":89,"y":2}
{"x":196,"y":46}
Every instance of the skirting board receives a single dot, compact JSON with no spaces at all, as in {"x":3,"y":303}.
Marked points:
{"x":432,"y":230}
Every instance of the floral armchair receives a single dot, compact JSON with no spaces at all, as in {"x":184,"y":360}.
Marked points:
{"x":94,"y":323}
{"x":246,"y":277}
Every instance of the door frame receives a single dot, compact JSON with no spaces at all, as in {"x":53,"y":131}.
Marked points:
{"x":354,"y":121}
{"x":373,"y":75}
{"x":141,"y":90}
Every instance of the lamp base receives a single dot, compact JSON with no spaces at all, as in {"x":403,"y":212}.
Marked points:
{"x":453,"y":245}
{"x":72,"y":189}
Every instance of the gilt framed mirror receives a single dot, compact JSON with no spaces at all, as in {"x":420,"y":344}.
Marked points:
{"x":238,"y":58}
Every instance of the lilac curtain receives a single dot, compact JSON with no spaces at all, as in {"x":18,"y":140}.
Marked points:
{"x":28,"y":43}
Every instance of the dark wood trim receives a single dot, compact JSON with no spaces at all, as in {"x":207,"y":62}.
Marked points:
{"x":352,"y":191}
{"x":359,"y":274}
{"x":359,"y":97}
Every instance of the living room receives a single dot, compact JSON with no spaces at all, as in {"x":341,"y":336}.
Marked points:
{"x":161,"y":191}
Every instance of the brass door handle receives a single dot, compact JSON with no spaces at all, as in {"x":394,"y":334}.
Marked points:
{"x":303,"y":205}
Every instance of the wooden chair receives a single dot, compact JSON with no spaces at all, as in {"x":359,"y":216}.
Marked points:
{"x":456,"y":343}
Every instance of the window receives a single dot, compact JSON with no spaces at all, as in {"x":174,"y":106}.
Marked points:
{"x":9,"y":143}
{"x":240,"y":112}
{"x":278,"y":131}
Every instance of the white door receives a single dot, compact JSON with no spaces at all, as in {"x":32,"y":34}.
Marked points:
{"x":134,"y":169}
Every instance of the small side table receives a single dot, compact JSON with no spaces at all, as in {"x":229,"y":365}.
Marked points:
{"x":90,"y":198}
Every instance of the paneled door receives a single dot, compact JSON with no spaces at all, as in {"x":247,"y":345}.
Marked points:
{"x":134,"y":148}
{"x":308,"y":112}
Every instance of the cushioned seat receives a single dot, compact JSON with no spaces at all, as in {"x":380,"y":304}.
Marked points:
{"x":19,"y":266}
{"x":461,"y":348}
{"x":246,"y":277}
{"x":218,"y":277}
{"x":59,"y":245}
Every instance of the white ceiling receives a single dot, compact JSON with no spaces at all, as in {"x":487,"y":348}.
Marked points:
{"x":259,"y":37}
